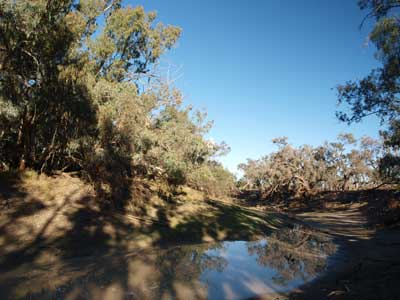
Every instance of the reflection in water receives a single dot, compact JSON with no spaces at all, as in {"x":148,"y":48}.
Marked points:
{"x":287,"y":259}
{"x":227,"y":270}
{"x":295,"y":253}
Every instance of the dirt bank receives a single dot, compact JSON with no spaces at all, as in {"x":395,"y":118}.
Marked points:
{"x":369,"y":262}
{"x":58,"y":221}
{"x":46,"y":218}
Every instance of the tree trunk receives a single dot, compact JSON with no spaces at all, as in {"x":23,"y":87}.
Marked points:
{"x":345,"y":183}
{"x":24,"y":140}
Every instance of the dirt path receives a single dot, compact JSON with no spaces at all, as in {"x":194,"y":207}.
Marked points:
{"x":368,"y":264}
{"x":347,"y":224}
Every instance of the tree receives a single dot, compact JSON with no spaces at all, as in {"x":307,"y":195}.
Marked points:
{"x":58,"y":77}
{"x":345,"y":164}
{"x":77,"y":95}
{"x":378,"y":93}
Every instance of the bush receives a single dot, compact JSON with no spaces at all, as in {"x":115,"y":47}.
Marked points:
{"x":213,"y":179}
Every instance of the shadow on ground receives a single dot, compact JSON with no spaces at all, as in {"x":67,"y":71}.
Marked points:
{"x":57,"y":239}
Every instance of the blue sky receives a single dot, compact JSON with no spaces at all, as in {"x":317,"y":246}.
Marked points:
{"x":264,"y":69}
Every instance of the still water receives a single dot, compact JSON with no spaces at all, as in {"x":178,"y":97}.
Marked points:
{"x":227,"y":270}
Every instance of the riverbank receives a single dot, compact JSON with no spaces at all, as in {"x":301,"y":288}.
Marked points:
{"x":44,"y":218}
{"x":365,"y":226}
{"x":369,"y":267}
{"x":57,"y":238}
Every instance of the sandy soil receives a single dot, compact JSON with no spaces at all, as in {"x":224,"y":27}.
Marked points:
{"x":369,"y":264}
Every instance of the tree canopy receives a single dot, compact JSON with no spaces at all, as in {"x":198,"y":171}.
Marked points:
{"x":79,"y":90}
{"x":345,"y":164}
{"x":378,"y":92}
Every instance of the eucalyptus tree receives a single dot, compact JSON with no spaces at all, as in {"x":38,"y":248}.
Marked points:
{"x":63,"y":77}
{"x":378,"y":92}
{"x":80,"y":90}
{"x":301,"y":171}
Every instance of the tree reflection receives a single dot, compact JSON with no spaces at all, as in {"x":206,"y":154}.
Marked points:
{"x":171,"y":273}
{"x":184,"y":265}
{"x":294,"y":252}
{"x":286,"y":259}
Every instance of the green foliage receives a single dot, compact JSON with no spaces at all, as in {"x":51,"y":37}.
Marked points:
{"x":389,"y":168}
{"x":378,"y":93}
{"x":212,"y":178}
{"x":72,"y":95}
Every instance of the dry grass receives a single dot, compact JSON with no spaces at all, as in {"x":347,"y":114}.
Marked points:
{"x":63,"y":213}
